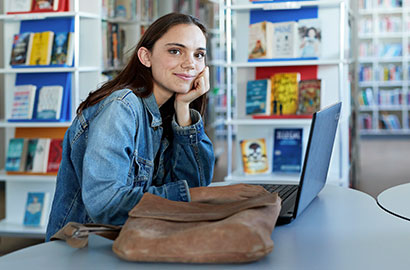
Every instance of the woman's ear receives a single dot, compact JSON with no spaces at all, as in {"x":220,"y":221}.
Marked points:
{"x":144,"y":55}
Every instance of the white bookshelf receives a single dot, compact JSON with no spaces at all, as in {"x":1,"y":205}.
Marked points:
{"x":333,"y":66}
{"x":374,"y":34}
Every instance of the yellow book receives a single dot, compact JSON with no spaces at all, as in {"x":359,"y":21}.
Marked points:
{"x":254,"y":156}
{"x":40,"y":48}
{"x":285,"y":93}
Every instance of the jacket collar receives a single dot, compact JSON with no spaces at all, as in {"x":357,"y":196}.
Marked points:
{"x":152,"y":106}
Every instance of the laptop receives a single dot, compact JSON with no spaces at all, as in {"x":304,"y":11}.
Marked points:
{"x":295,"y":198}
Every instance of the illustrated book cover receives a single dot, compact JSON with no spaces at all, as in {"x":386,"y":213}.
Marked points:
{"x":41,"y":155}
{"x":310,"y":38}
{"x":16,"y":155}
{"x":23,"y":102}
{"x":309,"y":96}
{"x":254,"y":156}
{"x":40,"y":48}
{"x":35,"y":212}
{"x":285,"y":39}
{"x":260,"y":40}
{"x":62,"y":52}
{"x":31,"y":152}
{"x":49,"y":102}
{"x":258,"y":97}
{"x":55,"y":155}
{"x":20,"y":49}
{"x":287,"y":150}
{"x":285,"y":93}
{"x":45,"y":5}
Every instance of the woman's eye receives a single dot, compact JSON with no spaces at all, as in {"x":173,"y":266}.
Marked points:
{"x":174,"y":51}
{"x":200,"y":55}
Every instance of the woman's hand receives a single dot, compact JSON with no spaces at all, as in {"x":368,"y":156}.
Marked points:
{"x":225,"y":194}
{"x":200,"y":86}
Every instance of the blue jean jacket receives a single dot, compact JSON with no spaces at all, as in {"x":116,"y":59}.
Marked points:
{"x":114,"y":152}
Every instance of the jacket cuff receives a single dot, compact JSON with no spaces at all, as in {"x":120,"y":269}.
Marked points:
{"x":178,"y":191}
{"x":190,"y":134}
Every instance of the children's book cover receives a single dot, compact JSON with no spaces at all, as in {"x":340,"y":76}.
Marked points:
{"x":20,"y":49}
{"x":285,"y":93}
{"x":36,"y":205}
{"x":16,"y":155}
{"x":287,"y":150}
{"x":258,"y":97}
{"x":310,"y":38}
{"x":285,"y":38}
{"x":254,"y":156}
{"x":309,"y":96}
{"x":260,"y":40}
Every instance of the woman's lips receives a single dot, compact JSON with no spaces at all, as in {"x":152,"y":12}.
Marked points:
{"x":185,"y":77}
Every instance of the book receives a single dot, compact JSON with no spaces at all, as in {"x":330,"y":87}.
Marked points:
{"x":260,"y":40}
{"x":16,"y":6}
{"x":45,"y":5}
{"x":40,"y":48}
{"x":254,"y":157}
{"x":309,"y":96}
{"x":20,"y":49}
{"x":62,"y":52}
{"x":36,"y":207}
{"x":287,"y":150}
{"x":49,"y":102}
{"x":258,"y":97}
{"x":284,"y":41}
{"x":309,"y":38}
{"x":125,"y":9}
{"x":31,"y":152}
{"x":23,"y":102}
{"x":55,"y":155}
{"x":41,"y":155}
{"x":16,"y":155}
{"x":285,"y":93}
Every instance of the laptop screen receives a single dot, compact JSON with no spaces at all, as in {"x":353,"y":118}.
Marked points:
{"x":317,"y":158}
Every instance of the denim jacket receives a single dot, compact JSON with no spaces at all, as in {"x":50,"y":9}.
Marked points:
{"x":114,"y":152}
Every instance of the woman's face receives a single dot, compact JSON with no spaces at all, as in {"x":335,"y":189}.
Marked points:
{"x":177,"y":58}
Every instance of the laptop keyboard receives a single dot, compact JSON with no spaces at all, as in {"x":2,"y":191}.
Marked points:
{"x":284,"y":191}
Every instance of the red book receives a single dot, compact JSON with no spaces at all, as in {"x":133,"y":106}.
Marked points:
{"x":45,"y":6}
{"x":55,"y":155}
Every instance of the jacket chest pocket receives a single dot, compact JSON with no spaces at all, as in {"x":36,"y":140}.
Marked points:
{"x":143,"y":171}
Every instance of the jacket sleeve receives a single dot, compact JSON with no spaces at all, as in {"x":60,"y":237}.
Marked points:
{"x":108,"y":189}
{"x":192,"y":154}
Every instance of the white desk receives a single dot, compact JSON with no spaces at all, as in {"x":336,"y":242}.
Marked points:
{"x":396,"y":201}
{"x":341,"y":229}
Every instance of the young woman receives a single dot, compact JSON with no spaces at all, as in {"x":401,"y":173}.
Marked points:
{"x":142,"y":132}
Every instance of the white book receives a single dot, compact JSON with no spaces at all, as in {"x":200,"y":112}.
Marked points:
{"x":310,"y":38}
{"x":285,"y":40}
{"x":49,"y":102}
{"x":23,"y":102}
{"x":41,"y":155}
{"x":19,"y":6}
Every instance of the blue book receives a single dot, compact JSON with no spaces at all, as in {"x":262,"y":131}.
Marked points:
{"x":287,"y":152}
{"x":258,"y":97}
{"x":35,"y":209}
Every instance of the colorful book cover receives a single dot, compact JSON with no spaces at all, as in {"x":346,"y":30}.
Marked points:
{"x":16,"y":155}
{"x":31,"y":152}
{"x":36,"y":205}
{"x":23,"y":102}
{"x":41,"y":156}
{"x":285,"y":38}
{"x":260,"y":40}
{"x":258,"y":97}
{"x":60,"y":48}
{"x":55,"y":155}
{"x":20,"y":49}
{"x":310,"y":38}
{"x":40,"y":48}
{"x":285,"y":93}
{"x":287,"y":151}
{"x":254,"y":156}
{"x":49,"y":102}
{"x":309,"y":96}
{"x":45,"y":5}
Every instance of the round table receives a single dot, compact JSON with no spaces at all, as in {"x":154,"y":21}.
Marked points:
{"x":396,"y":201}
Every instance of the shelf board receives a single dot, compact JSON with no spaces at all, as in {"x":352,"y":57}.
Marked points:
{"x":49,"y":69}
{"x":288,"y":63}
{"x":284,"y":5}
{"x":385,"y":132}
{"x":275,"y":122}
{"x":15,"y":229}
{"x":26,"y":177}
{"x":381,"y":83}
{"x":44,"y":15}
{"x":381,"y":59}
{"x":6,"y":124}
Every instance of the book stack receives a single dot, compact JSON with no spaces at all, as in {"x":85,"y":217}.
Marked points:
{"x":34,"y":155}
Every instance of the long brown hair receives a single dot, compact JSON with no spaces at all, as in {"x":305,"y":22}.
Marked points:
{"x":135,"y":75}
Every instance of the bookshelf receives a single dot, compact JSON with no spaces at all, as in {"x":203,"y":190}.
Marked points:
{"x":383,"y":69}
{"x":332,"y":67}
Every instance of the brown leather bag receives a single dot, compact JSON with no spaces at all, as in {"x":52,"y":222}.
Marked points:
{"x":160,"y":230}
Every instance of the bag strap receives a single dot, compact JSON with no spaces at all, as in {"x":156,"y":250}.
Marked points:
{"x":76,"y":234}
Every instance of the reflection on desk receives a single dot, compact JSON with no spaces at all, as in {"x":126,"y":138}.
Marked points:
{"x":341,"y":229}
{"x":396,"y":201}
